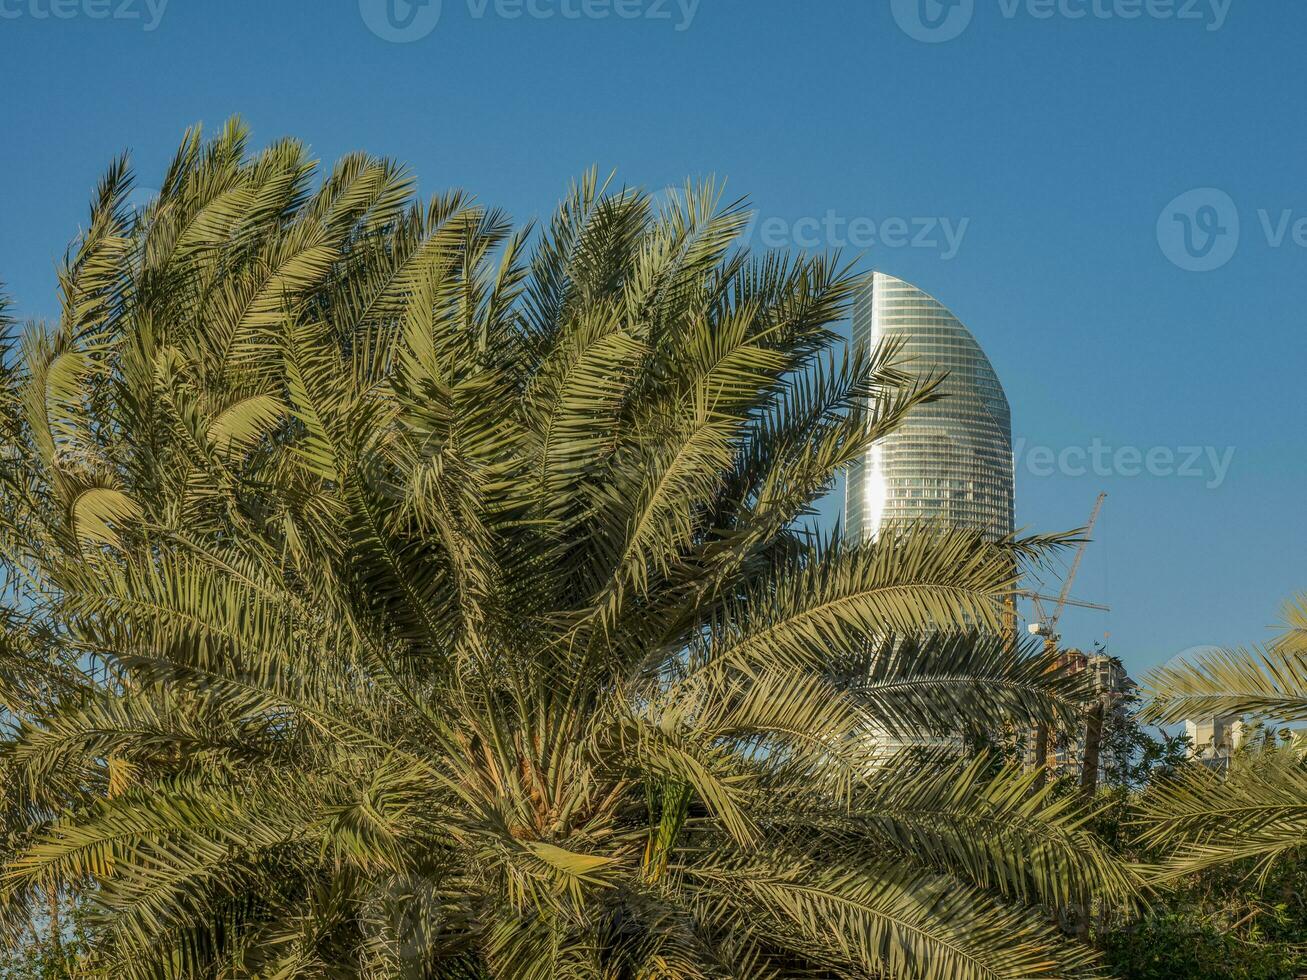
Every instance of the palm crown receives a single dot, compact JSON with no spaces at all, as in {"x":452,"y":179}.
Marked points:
{"x":1257,"y":810}
{"x":433,"y":600}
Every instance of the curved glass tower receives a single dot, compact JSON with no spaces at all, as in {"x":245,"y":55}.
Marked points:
{"x":951,"y":460}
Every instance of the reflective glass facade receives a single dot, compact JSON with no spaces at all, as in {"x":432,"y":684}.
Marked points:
{"x":952,"y":459}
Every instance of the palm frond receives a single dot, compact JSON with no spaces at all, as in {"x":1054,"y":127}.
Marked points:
{"x":1270,"y":683}
{"x":1257,"y":811}
{"x":391,"y":592}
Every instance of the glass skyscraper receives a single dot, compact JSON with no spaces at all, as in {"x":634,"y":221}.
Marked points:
{"x":951,"y":460}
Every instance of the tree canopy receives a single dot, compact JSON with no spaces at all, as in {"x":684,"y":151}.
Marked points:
{"x":397,"y":593}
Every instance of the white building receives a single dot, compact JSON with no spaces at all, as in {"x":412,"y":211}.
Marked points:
{"x":1215,"y":739}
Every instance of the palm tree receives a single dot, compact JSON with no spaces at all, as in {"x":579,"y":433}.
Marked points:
{"x":457,"y":617}
{"x":1257,"y":810}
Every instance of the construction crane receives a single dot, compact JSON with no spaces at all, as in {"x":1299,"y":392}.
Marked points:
{"x":1040,"y":626}
{"x":1046,"y":626}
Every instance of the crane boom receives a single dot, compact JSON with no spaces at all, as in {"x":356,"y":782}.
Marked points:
{"x":1048,"y":630}
{"x":1075,"y":564}
{"x":1035,"y":597}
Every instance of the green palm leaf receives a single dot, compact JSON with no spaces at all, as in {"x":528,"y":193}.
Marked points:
{"x":397,"y":593}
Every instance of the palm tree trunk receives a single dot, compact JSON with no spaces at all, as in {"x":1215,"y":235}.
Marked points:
{"x":1042,"y":733}
{"x":56,"y":922}
{"x":1093,"y":743}
{"x":1041,"y":755}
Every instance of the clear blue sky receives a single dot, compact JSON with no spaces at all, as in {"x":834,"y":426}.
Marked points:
{"x":1058,"y":140}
